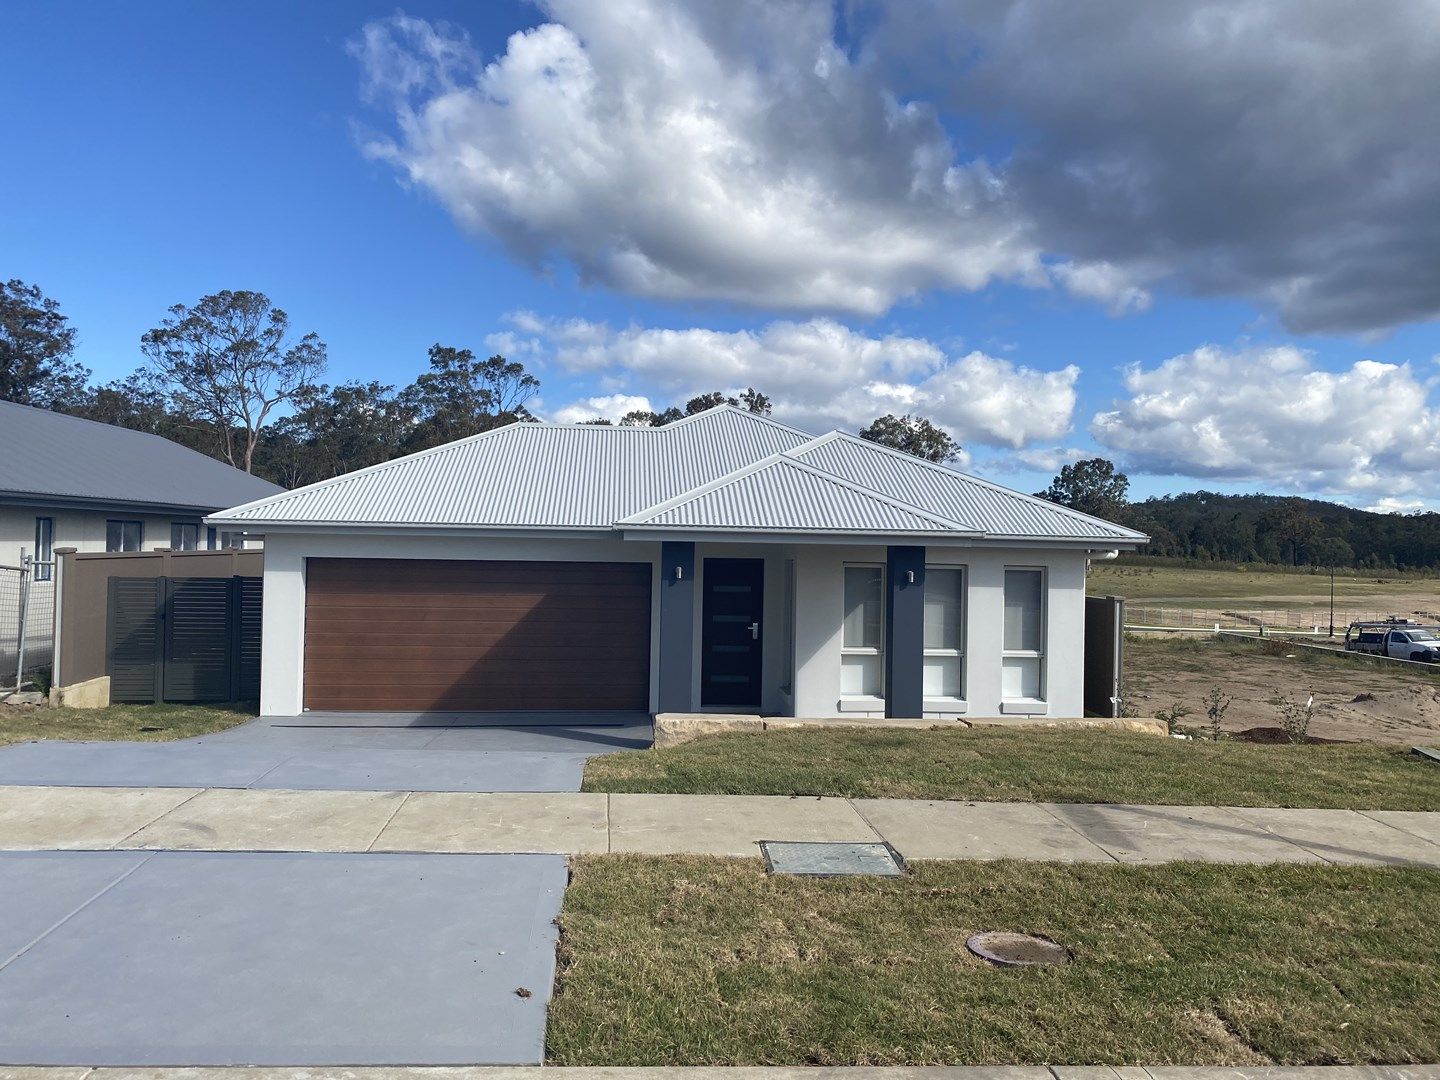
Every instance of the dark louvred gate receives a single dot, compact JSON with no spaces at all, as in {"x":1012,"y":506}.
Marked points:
{"x":183,"y":640}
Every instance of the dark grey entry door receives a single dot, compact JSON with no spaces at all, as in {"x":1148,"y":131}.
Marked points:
{"x":732,"y":611}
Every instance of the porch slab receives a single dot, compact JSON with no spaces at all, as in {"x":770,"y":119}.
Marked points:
{"x":569,"y":824}
{"x":1345,"y":836}
{"x":1159,"y":834}
{"x":921,"y":829}
{"x":227,"y":819}
{"x":81,"y":817}
{"x":730,"y":825}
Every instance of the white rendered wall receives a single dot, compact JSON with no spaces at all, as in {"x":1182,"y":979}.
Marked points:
{"x":283,"y":649}
{"x":819,"y":613}
{"x":83,"y":530}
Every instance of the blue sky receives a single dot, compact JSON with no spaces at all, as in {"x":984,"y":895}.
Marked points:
{"x":161,"y":151}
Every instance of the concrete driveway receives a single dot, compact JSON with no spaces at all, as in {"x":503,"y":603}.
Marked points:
{"x":345,"y":752}
{"x":194,"y":958}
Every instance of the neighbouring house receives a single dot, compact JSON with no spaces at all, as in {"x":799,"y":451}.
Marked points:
{"x":725,"y":562}
{"x":68,"y":482}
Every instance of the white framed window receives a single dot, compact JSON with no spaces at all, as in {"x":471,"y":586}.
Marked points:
{"x":44,"y":547}
{"x":1023,"y":664}
{"x":862,"y":644}
{"x":944,"y":677}
{"x":124,"y":535}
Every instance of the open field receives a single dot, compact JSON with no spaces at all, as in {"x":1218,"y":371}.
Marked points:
{"x":697,"y":961}
{"x":1355,"y":700}
{"x":1303,"y":598}
{"x":130,"y":723}
{"x":1020,"y":765}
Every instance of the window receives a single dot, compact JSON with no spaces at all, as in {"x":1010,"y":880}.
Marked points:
{"x":1024,"y":655}
{"x":232,"y":541}
{"x":944,"y":632}
{"x":210,"y":543}
{"x":44,"y":548}
{"x":124,"y":535}
{"x":862,"y":651}
{"x":185,"y":535}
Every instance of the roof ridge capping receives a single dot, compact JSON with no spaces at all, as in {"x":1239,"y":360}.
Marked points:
{"x":786,"y":459}
{"x":1020,"y":496}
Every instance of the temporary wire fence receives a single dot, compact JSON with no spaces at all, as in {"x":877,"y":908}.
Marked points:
{"x":1300,"y":620}
{"x":27,"y":623}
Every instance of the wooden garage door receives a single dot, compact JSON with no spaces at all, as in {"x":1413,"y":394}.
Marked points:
{"x":411,"y":634}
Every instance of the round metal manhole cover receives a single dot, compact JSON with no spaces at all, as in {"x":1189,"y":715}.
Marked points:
{"x":1017,"y":950}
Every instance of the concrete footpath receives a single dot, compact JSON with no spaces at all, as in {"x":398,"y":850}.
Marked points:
{"x":956,"y":1072}
{"x":223,"y":819}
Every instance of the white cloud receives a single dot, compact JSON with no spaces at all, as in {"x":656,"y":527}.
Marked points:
{"x":1391,"y":505}
{"x":821,"y":374}
{"x":730,"y":152}
{"x":610,"y":407}
{"x":1268,"y":414}
{"x":760,"y":152}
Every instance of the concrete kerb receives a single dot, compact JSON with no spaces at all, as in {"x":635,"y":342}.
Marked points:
{"x":674,"y":729}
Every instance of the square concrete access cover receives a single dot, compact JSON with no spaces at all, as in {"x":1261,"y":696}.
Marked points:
{"x":831,"y":860}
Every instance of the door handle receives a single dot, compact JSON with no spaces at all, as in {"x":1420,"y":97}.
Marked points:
{"x":755,"y":631}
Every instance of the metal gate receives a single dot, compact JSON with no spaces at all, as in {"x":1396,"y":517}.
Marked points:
{"x":27,"y":622}
{"x":183,"y":639}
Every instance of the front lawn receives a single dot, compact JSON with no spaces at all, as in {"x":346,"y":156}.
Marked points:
{"x":699,"y":961}
{"x":1019,"y":765}
{"x":130,"y":723}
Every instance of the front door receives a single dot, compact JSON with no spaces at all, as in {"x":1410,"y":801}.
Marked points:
{"x":733,"y":609}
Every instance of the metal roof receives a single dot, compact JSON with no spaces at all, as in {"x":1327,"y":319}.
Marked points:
{"x":782,"y":494}
{"x":956,"y":495}
{"x":47,"y":455}
{"x":720,"y":470}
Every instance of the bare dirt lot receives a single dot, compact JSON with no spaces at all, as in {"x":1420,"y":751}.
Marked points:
{"x":1355,"y":700}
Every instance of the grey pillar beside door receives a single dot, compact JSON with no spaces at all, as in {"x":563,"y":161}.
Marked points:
{"x":905,"y":631}
{"x":677,"y":625}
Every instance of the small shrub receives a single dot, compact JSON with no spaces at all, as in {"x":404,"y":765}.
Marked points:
{"x":1295,"y":716}
{"x":1172,"y":716}
{"x":1217,"y":704}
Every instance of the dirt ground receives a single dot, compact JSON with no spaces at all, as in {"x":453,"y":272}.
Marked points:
{"x":1355,"y":700}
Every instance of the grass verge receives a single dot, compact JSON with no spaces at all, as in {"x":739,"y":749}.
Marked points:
{"x":129,"y":723}
{"x":1083,"y":766}
{"x":698,"y":961}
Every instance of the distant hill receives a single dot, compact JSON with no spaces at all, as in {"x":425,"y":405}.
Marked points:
{"x":1280,"y":529}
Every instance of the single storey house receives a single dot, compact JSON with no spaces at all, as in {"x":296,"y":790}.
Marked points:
{"x":68,"y":482}
{"x":725,"y":562}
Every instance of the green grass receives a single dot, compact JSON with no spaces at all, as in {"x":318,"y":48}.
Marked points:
{"x":1201,"y":587}
{"x":1082,"y":766}
{"x":129,"y":723}
{"x":698,"y":961}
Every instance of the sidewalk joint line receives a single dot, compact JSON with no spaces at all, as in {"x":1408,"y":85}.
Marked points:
{"x":370,"y":847}
{"x":130,"y":836}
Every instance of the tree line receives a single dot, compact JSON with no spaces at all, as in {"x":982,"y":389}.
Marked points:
{"x":1208,"y":526}
{"x":227,"y":376}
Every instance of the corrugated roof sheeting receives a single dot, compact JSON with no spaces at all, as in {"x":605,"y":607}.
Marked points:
{"x":539,"y":475}
{"x":952,"y":494}
{"x":788,"y":497}
{"x":44,"y":453}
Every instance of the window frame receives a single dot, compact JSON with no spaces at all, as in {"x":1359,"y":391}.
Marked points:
{"x":44,"y":548}
{"x":877,"y":652}
{"x":957,"y":654}
{"x":176,"y":526}
{"x":122,"y":522}
{"x":1038,"y":655}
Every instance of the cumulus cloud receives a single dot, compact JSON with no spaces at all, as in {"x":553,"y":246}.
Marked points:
{"x":764,"y":153}
{"x":610,"y":407}
{"x":821,"y":374}
{"x":1269,"y":414}
{"x":730,"y":152}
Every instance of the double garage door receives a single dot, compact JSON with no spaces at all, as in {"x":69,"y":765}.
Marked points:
{"x":403,"y":634}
